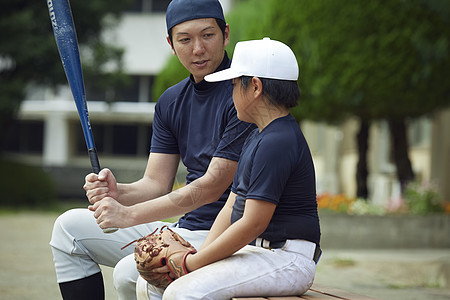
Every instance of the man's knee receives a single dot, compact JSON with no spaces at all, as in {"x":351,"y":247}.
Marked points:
{"x":65,"y":227}
{"x":71,"y":261}
{"x":72,"y":220}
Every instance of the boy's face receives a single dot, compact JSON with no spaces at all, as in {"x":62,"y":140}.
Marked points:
{"x":242,"y":101}
{"x":199,"y":45}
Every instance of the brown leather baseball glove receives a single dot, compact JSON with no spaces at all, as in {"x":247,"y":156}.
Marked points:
{"x":160,"y":249}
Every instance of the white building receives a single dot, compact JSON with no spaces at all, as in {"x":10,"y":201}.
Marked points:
{"x":50,"y":135}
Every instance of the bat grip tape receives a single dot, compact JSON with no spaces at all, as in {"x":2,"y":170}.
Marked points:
{"x":96,"y":168}
{"x":94,"y":160}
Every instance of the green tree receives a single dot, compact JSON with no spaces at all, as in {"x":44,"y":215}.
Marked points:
{"x":372,"y":60}
{"x":28,"y":52}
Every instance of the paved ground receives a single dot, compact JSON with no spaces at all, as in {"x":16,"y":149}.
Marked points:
{"x":26,"y":267}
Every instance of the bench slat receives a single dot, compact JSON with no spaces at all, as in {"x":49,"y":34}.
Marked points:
{"x":314,"y":295}
{"x":285,"y":298}
{"x":337,"y":293}
{"x":316,"y":292}
{"x":257,"y":298}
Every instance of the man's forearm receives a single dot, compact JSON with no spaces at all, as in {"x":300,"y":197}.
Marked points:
{"x":204,"y":190}
{"x":176,"y":203}
{"x":140,"y":191}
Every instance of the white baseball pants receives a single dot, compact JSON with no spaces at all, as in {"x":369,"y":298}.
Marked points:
{"x":79,"y":246}
{"x":252,"y":271}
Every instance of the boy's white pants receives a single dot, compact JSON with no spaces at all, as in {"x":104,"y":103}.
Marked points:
{"x":252,"y":271}
{"x":79,"y":246}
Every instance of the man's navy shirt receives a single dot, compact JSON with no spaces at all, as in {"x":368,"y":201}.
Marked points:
{"x":199,"y":122}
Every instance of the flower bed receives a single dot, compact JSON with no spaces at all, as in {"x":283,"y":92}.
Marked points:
{"x":418,"y":199}
{"x":420,"y":220}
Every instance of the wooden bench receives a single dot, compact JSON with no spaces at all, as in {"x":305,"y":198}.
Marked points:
{"x":316,"y":292}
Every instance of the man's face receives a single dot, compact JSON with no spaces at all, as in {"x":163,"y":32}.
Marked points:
{"x":199,"y":45}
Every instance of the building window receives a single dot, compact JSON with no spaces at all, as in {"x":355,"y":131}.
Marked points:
{"x":129,"y":93}
{"x":118,"y":140}
{"x":26,"y":137}
{"x":124,"y":139}
{"x":138,"y":89}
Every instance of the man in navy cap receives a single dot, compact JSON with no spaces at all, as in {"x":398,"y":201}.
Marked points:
{"x":194,"y":121}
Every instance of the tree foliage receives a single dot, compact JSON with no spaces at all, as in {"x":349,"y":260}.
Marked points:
{"x":172,"y":73}
{"x":367,"y":59}
{"x":374,"y":60}
{"x":370,"y":59}
{"x":28,"y":52}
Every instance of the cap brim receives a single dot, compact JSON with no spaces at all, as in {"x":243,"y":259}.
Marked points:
{"x":222,"y":75}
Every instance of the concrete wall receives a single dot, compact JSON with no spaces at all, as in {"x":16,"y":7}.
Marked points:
{"x":384,"y":232}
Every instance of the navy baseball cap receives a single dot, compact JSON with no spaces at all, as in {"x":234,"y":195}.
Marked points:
{"x":180,"y":11}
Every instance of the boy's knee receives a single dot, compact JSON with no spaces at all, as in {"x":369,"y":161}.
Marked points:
{"x":181,"y":289}
{"x":171,"y":293}
{"x":125,"y":275}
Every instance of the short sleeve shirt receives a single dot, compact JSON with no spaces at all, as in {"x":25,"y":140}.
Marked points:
{"x":198,"y":121}
{"x":276,"y":166}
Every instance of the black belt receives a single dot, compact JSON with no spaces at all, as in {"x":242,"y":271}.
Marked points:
{"x":317,"y":254}
{"x":280,"y":244}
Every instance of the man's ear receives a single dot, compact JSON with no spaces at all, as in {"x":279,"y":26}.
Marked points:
{"x":226,"y":36}
{"x":257,"y":87}
{"x":171,"y":46}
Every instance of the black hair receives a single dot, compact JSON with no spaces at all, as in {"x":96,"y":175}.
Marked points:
{"x":221,"y":23}
{"x":284,"y":93}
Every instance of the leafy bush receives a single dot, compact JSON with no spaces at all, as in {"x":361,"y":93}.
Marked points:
{"x":418,"y":199}
{"x":25,"y":186}
{"x":364,"y":207}
{"x":172,"y":73}
{"x":423,"y":198}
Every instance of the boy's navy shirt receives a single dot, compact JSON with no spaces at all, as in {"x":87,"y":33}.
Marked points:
{"x":276,"y":166}
{"x":198,"y":121}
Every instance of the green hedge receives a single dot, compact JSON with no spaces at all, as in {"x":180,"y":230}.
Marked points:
{"x":22,"y":185}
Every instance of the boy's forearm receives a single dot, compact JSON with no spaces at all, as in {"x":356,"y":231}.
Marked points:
{"x":256,"y":217}
{"x":222,"y":221}
{"x":233,"y":239}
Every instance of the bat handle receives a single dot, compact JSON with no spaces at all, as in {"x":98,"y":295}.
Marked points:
{"x":96,"y":168}
{"x":94,"y":160}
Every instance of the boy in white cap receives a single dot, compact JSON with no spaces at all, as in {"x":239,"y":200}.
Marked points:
{"x":194,"y":121}
{"x":265,"y":241}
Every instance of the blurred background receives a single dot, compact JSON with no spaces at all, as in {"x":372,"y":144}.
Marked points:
{"x":375,"y":106}
{"x":374,"y":80}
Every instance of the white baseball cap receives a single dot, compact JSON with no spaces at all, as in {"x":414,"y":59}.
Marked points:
{"x":264,"y":58}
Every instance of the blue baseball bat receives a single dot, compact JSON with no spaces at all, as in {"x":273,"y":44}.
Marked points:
{"x":67,"y":42}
